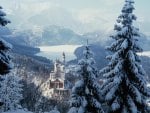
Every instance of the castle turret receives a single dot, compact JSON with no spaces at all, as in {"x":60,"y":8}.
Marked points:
{"x":64,"y":61}
{"x":64,"y":58}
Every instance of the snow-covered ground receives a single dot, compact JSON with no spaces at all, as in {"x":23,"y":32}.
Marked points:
{"x":18,"y":111}
{"x":25,"y":111}
{"x":53,"y":52}
{"x":145,"y":53}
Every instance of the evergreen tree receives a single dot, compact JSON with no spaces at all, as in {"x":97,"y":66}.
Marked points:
{"x":3,"y":20}
{"x":10,"y":92}
{"x":85,"y":96}
{"x":4,"y":47}
{"x":125,"y":89}
{"x":55,"y":110}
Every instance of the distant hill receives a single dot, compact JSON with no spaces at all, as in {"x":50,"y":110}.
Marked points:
{"x":21,"y":45}
{"x":57,"y":35}
{"x":144,"y":41}
{"x":52,"y":35}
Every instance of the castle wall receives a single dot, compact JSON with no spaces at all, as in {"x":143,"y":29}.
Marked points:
{"x":56,"y":84}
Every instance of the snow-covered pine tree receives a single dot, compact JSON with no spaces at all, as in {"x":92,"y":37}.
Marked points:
{"x":55,"y":110}
{"x":10,"y":92}
{"x":3,"y":20}
{"x":125,"y":89}
{"x":86,"y":96}
{"x":4,"y":47}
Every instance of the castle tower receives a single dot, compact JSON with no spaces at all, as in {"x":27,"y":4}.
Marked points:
{"x":64,"y":57}
{"x":64,"y":61}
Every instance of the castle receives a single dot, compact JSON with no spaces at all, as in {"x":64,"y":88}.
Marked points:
{"x":55,"y":85}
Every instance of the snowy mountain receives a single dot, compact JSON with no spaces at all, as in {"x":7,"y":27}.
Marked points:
{"x":56,"y":35}
{"x":52,"y":35}
{"x":97,"y":37}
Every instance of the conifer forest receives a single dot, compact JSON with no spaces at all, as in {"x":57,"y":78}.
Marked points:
{"x":74,"y":56}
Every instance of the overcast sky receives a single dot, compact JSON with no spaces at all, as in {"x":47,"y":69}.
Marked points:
{"x":80,"y":15}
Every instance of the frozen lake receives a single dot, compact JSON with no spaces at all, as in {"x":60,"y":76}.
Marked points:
{"x":55,"y":52}
{"x":145,"y":53}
